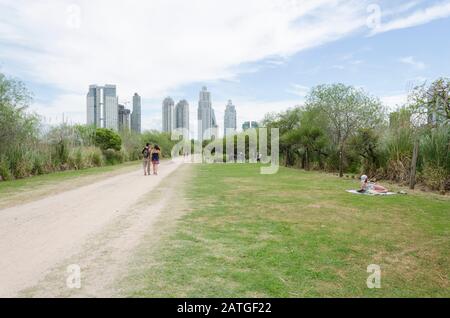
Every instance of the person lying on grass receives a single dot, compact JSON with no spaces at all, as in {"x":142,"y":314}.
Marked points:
{"x":367,"y":186}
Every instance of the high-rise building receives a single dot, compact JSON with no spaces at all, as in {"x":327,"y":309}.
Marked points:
{"x":230,"y":120}
{"x":136,"y":115}
{"x":124,"y":118}
{"x":102,"y":106}
{"x":93,"y":106}
{"x":205,"y":114}
{"x":182,"y":115}
{"x":214,"y":126}
{"x":168,"y":118}
{"x":249,"y":124}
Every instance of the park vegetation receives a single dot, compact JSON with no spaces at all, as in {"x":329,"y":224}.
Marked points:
{"x":345,"y":130}
{"x":29,"y":147}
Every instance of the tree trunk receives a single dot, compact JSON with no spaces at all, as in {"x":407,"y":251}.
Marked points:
{"x":412,"y":180}
{"x":306,"y":159}
{"x":286,"y":159}
{"x":341,"y":163}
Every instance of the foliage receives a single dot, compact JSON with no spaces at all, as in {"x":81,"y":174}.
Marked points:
{"x":432,"y":100}
{"x":163,"y":140}
{"x":365,"y":143}
{"x":435,"y":148}
{"x":107,"y":139}
{"x":347,"y":110}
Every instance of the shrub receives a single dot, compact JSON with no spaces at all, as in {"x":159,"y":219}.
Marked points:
{"x":76,"y":159}
{"x":107,"y":139}
{"x":434,"y":177}
{"x":435,"y":152}
{"x":95,"y":157}
{"x":5,"y":173}
{"x":113,"y":157}
{"x":39,"y":166}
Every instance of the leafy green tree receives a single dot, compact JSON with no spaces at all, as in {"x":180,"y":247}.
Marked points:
{"x":347,"y":109}
{"x":107,"y":139}
{"x":285,"y":122}
{"x":17,"y":128}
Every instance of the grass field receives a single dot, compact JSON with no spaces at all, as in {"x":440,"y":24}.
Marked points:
{"x":296,"y":234}
{"x":23,"y":190}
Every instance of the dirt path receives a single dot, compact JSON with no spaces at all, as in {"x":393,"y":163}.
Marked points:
{"x":94,"y":226}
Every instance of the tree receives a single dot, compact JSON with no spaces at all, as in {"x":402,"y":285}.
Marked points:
{"x":16,"y":126}
{"x":365,"y":144}
{"x":285,"y":122}
{"x":309,"y":139}
{"x":107,"y":139}
{"x":432,"y":100}
{"x":347,"y":109}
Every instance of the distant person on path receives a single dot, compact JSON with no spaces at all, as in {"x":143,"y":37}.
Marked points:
{"x":146,"y":153}
{"x":367,"y":186}
{"x":156,"y":151}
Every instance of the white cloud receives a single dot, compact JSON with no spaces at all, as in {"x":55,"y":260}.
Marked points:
{"x":338,"y":67}
{"x":154,"y":47}
{"x":71,"y":107}
{"x":299,"y":90}
{"x":394,"y":101}
{"x":410,"y":60}
{"x":418,"y":17}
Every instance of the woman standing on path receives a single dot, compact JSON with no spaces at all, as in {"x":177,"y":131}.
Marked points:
{"x":146,"y":160}
{"x":155,"y":158}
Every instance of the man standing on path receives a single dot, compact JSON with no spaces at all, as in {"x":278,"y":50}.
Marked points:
{"x":146,"y":153}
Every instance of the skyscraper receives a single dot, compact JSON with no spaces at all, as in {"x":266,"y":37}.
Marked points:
{"x":229,"y":121}
{"x":182,"y":115}
{"x":168,"y":119}
{"x":136,"y":115}
{"x":124,"y":118}
{"x":205,"y":115}
{"x":93,"y":106}
{"x":249,"y":124}
{"x":102,"y":106}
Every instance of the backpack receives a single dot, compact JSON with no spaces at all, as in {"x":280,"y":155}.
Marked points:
{"x":146,"y":153}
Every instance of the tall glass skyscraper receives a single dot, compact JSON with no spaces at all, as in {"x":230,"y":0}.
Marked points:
{"x":229,"y":120}
{"x":103,"y":106}
{"x":93,"y":106}
{"x":136,"y":114}
{"x":205,"y":115}
{"x":168,"y":119}
{"x":182,"y":115}
{"x":124,"y":118}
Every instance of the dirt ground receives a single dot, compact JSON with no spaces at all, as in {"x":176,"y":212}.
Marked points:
{"x":95,"y":227}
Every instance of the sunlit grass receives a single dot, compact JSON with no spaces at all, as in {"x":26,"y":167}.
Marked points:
{"x":297,"y":234}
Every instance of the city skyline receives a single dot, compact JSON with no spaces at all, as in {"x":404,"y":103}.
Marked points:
{"x":273,"y":69}
{"x":102,"y":106}
{"x":104,"y":110}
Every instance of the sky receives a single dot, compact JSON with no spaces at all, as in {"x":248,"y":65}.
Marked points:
{"x":264,"y":55}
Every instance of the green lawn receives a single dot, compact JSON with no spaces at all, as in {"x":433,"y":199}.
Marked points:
{"x":297,"y":234}
{"x":26,"y":189}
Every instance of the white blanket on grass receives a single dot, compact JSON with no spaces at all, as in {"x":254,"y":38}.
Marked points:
{"x":370,"y":192}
